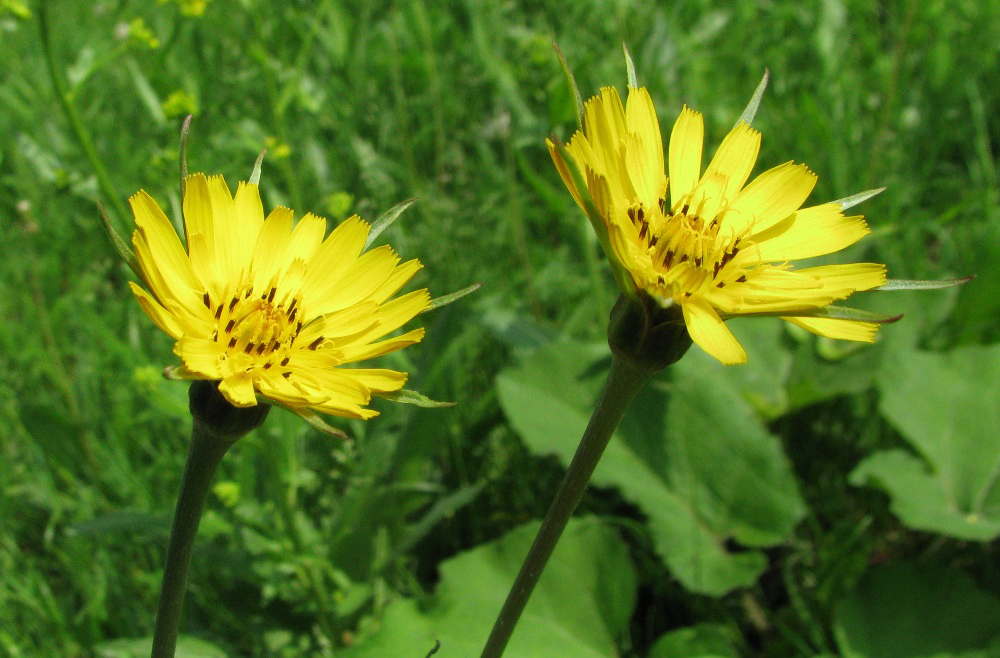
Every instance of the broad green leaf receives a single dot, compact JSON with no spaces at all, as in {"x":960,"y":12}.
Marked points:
{"x":582,"y":603}
{"x":906,"y":611}
{"x":945,"y":406}
{"x":701,"y":641}
{"x":918,"y":498}
{"x":700,"y":464}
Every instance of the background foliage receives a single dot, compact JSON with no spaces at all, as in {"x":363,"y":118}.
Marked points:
{"x":824,"y":499}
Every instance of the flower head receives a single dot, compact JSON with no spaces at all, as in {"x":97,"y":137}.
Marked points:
{"x":271,"y":307}
{"x":707,"y":241}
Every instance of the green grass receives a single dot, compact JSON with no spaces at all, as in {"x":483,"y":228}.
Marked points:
{"x":361,"y":106}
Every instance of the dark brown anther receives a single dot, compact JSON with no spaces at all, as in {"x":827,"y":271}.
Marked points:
{"x":270,"y":295}
{"x":248,"y":349}
{"x":232,"y":342}
{"x":742,"y":279}
{"x":230,"y":325}
{"x":316,"y":343}
{"x":284,"y":361}
{"x":261,"y":348}
{"x":207,"y":300}
{"x":233,"y":303}
{"x":218,"y":312}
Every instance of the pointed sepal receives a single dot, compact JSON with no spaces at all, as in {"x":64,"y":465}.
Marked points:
{"x":444,"y":300}
{"x":386,"y":219}
{"x":921,"y":284}
{"x":406,"y":396}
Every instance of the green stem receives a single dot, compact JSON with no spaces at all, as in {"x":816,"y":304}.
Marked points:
{"x":65,"y":98}
{"x":624,"y":381}
{"x":204,"y":456}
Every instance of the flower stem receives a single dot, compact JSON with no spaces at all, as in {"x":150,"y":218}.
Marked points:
{"x":217,"y":426}
{"x":204,"y":456}
{"x":624,"y":381}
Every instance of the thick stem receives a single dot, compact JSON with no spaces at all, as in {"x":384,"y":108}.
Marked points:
{"x":204,"y":456}
{"x":624,"y":381}
{"x":217,"y":426}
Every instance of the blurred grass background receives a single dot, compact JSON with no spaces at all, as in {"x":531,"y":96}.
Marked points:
{"x":361,"y":105}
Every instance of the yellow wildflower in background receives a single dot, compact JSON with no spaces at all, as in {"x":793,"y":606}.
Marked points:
{"x":270,"y":308}
{"x":707,"y":241}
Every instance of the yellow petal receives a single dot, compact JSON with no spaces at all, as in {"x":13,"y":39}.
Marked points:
{"x":735,"y":159}
{"x":159,"y":315}
{"x":710,"y":333}
{"x":809,"y":232}
{"x":399,"y":277}
{"x":280,"y":389}
{"x":377,"y":380}
{"x":359,"y":352}
{"x":364,"y":277}
{"x":604,"y":123}
{"x":335,"y":256}
{"x":306,"y":237}
{"x":271,"y":247}
{"x":166,"y":268}
{"x":238,"y":390}
{"x":850,"y":276}
{"x":345,"y":322}
{"x":393,"y":315}
{"x":686,"y":141}
{"x":200,"y":355}
{"x":249,"y":220}
{"x":644,"y":147}
{"x":770,"y":198}
{"x":227,"y":233}
{"x":837,"y":328}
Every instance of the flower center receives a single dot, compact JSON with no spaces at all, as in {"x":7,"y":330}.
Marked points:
{"x":687,"y":252}
{"x":259,"y":326}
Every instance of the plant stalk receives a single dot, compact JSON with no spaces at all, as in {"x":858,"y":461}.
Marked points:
{"x":204,"y":456}
{"x":624,"y":381}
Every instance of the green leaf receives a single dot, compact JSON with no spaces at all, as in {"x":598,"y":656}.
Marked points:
{"x":945,"y":406}
{"x":582,"y":603}
{"x":701,"y":641}
{"x":699,"y":464}
{"x":906,"y":611}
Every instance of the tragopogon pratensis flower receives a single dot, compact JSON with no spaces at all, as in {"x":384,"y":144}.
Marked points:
{"x":707,"y":241}
{"x":271,"y":307}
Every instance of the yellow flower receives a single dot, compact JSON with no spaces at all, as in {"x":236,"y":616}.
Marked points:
{"x":708,"y":242}
{"x":271,"y":309}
